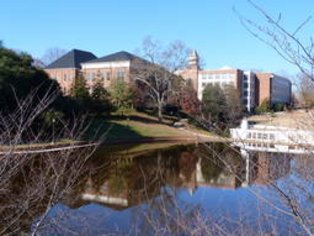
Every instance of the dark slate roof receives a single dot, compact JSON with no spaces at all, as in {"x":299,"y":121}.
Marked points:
{"x":118,"y":56}
{"x":72,"y":59}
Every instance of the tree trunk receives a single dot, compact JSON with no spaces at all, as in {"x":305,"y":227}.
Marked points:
{"x":160,"y":113}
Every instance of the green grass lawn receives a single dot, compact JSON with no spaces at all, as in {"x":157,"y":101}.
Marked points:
{"x":134,"y":126}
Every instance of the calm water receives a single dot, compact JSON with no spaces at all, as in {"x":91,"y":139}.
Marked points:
{"x":183,"y":189}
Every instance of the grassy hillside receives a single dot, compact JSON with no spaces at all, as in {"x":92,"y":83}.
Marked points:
{"x":136,"y":126}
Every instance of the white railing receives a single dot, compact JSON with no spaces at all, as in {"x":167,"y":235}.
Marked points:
{"x":272,"y":138}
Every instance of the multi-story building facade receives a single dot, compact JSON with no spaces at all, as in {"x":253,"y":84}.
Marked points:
{"x":253,"y":88}
{"x":223,"y":77}
{"x":116,"y":66}
{"x":66,"y":68}
{"x":273,"y":89}
{"x":107,"y":69}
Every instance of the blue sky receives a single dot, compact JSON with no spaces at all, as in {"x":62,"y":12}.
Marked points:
{"x":105,"y":26}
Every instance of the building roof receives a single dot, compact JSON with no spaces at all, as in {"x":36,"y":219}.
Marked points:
{"x":72,"y":59}
{"x":118,"y":56}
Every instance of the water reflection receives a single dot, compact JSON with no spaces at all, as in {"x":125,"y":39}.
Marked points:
{"x":125,"y":180}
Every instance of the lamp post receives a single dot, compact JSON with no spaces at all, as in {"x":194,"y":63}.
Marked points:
{"x":53,"y":130}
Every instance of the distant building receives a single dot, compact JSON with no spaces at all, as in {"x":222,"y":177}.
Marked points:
{"x":192,"y":71}
{"x":66,"y":68}
{"x":222,"y":77}
{"x":116,"y":66}
{"x":272,"y":88}
{"x":253,"y":88}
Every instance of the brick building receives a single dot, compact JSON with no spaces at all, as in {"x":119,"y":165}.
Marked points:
{"x":222,"y":77}
{"x":253,"y":88}
{"x":116,"y":66}
{"x":192,"y":70}
{"x":66,"y":68}
{"x":272,"y":88}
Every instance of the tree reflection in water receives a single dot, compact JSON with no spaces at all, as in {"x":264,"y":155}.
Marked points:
{"x":145,"y":190}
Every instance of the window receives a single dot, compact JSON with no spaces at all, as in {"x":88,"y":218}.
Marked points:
{"x":120,"y":75}
{"x":89,"y":76}
{"x":225,"y":76}
{"x":108,"y":76}
{"x":65,"y":77}
{"x":217,"y":76}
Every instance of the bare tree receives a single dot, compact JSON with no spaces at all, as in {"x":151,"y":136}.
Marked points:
{"x":306,"y":91}
{"x":41,"y":175}
{"x":157,"y":72}
{"x":298,"y":51}
{"x":52,"y":54}
{"x":288,"y":43}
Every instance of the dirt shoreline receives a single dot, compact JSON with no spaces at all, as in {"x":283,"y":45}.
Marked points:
{"x":59,"y":147}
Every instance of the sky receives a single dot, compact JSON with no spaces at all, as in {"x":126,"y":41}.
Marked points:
{"x":106,"y":26}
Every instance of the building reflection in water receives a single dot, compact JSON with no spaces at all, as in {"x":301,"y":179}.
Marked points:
{"x":129,"y":180}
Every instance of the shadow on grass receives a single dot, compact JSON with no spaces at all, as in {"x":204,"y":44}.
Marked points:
{"x":105,"y":130}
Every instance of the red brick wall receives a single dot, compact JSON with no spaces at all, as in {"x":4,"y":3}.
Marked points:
{"x":64,"y":76}
{"x":191,"y":74}
{"x":264,"y":87}
{"x":102,"y":72}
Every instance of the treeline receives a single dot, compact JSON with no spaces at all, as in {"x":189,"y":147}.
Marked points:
{"x":23,"y":86}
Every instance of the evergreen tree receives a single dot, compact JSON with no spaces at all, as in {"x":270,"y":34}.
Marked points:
{"x":18,"y":78}
{"x":100,"y":98}
{"x":234,"y":107}
{"x":214,"y":103}
{"x":79,"y":88}
{"x":121,"y":96}
{"x":263,"y":108}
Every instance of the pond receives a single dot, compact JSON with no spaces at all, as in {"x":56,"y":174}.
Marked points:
{"x":184,"y":189}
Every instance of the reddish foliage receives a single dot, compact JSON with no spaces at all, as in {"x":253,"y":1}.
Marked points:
{"x":189,"y":102}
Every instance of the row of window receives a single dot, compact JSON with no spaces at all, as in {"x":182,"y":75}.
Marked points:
{"x":218,"y":76}
{"x":264,"y":136}
{"x":218,"y":84}
{"x":90,"y":76}
{"x":262,"y":145}
{"x":64,"y":77}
